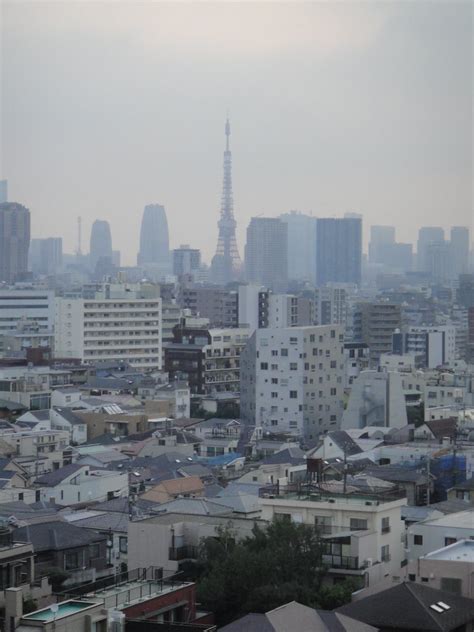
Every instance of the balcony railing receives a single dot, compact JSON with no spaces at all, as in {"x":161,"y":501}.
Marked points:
{"x":183,"y":553}
{"x":342,"y":561}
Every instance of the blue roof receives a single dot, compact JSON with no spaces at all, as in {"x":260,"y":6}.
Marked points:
{"x":223,"y":459}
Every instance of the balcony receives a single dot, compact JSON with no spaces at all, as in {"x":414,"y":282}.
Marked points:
{"x":345,"y":562}
{"x":179,"y":553}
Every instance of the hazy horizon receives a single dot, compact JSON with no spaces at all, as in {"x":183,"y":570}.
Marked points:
{"x":334,"y":108}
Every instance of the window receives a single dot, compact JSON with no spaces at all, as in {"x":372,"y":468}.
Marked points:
{"x":293,"y":366}
{"x":358,"y":524}
{"x":274,"y":352}
{"x":333,"y":364}
{"x":412,"y":577}
{"x":263,"y":366}
{"x":274,"y":380}
{"x":451,"y":584}
{"x":274,"y":422}
{"x":94,"y":551}
{"x":274,"y":367}
{"x":385,"y":553}
{"x":274,"y":395}
{"x":385,"y":525}
{"x":284,"y":517}
{"x":293,"y":394}
{"x":20,"y":496}
{"x":333,"y":391}
{"x":418,"y":540}
{"x":123,"y":544}
{"x":448,"y":541}
{"x":284,"y":352}
{"x":323,"y":524}
{"x":71,"y":561}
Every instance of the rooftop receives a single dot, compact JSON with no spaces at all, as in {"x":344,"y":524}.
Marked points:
{"x":65,"y":609}
{"x":313,"y":493}
{"x":461,"y":551}
{"x":459,"y":520}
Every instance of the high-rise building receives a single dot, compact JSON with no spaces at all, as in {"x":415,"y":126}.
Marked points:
{"x":435,"y":346}
{"x":426,"y":236}
{"x":3,"y":191}
{"x":117,"y":323}
{"x":226,"y":263}
{"x":291,"y":380}
{"x":46,"y":255}
{"x":253,"y":306}
{"x":460,"y":249}
{"x":301,"y":246}
{"x":31,"y":308}
{"x":439,"y":261}
{"x":14,"y":241}
{"x":219,"y":305}
{"x":380,"y":238}
{"x":154,"y":237}
{"x":331,"y":304}
{"x":375,"y":324}
{"x":465,"y":293}
{"x":266,"y":258}
{"x":186,"y":261}
{"x":338,"y":250}
{"x":398,"y":256}
{"x":100,"y":244}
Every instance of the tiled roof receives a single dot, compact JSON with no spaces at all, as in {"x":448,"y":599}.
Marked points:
{"x":56,"y":536}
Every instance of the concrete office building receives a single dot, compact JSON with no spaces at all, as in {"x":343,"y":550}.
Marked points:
{"x":266,"y":252}
{"x":375,"y":324}
{"x":301,"y":246}
{"x":253,"y":306}
{"x":287,"y":310}
{"x":186,"y":261}
{"x":339,"y":250}
{"x":292,"y":380}
{"x":14,"y":242}
{"x":219,"y":305}
{"x":426,"y":236}
{"x":119,"y":323}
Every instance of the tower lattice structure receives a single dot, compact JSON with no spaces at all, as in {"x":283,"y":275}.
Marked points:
{"x":226,"y":263}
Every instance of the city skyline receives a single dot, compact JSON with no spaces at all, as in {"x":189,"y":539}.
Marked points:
{"x":297,"y":147}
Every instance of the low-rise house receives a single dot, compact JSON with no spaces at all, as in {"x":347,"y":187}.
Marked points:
{"x":286,"y":466}
{"x":187,"y":487}
{"x":50,"y":446}
{"x":412,"y":606}
{"x":63,"y":418}
{"x":414,"y":480}
{"x":438,"y":430}
{"x":35,"y":420}
{"x":16,"y":562}
{"x":111,"y":419}
{"x":76,"y":483}
{"x":463,"y":491}
{"x":81,"y":553}
{"x":218,"y":436}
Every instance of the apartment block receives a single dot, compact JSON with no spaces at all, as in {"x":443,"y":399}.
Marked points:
{"x":292,"y":379}
{"x":121,"y":323}
{"x":375,"y":324}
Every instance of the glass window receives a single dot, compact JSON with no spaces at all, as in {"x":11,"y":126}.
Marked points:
{"x":357,"y":524}
{"x":71,"y":561}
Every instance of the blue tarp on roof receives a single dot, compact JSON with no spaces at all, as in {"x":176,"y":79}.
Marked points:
{"x":222,"y":459}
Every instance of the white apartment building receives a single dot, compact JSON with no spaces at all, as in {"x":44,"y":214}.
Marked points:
{"x":432,"y":535}
{"x":362,"y":535}
{"x":437,"y":344}
{"x":292,"y":379}
{"x":222,"y":359}
{"x":120,"y":323}
{"x":25,"y":306}
{"x":332,"y":303}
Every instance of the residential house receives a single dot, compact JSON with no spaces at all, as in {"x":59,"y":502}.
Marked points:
{"x":432,"y":535}
{"x":187,"y":487}
{"x":463,"y":491}
{"x":81,"y":553}
{"x":76,"y":483}
{"x":64,"y":419}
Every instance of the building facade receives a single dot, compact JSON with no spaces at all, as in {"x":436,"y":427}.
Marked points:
{"x":266,"y":252}
{"x":14,"y":242}
{"x":339,"y":250}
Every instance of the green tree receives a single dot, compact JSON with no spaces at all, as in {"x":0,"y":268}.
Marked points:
{"x":281,"y":562}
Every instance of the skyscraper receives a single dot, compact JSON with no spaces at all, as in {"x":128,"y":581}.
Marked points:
{"x":426,"y":236}
{"x":46,"y":255}
{"x":154,"y":237}
{"x":14,"y":241}
{"x":338,"y":250}
{"x":101,"y":243}
{"x":3,"y":191}
{"x":226,"y":262}
{"x":460,"y":249}
{"x":301,"y":245}
{"x":186,"y":260}
{"x":380,"y":237}
{"x":266,"y":252}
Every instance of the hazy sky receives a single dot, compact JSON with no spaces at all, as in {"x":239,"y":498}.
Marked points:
{"x":335,"y":107}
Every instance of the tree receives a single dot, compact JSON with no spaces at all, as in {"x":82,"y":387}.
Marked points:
{"x":280,"y":563}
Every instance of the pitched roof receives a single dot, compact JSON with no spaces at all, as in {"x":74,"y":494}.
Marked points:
{"x":176,"y":486}
{"x":442,"y":427}
{"x":466,"y":485}
{"x":407,"y":607}
{"x":57,"y":535}
{"x":51,"y":479}
{"x":398,"y":473}
{"x":293,"y":455}
{"x":117,"y":522}
{"x":344,"y":441}
{"x":68,"y":415}
{"x":122,"y":505}
{"x":197,"y":506}
{"x":6,"y":404}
